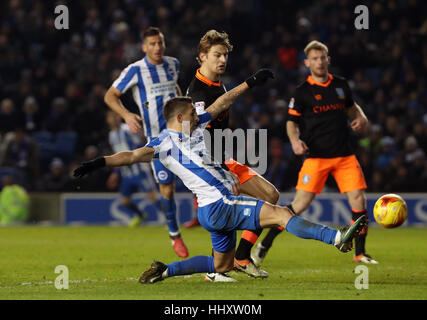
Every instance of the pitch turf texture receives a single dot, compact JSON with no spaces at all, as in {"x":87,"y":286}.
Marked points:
{"x":105,"y":263}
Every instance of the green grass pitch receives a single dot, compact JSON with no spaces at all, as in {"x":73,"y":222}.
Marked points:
{"x":105,"y":263}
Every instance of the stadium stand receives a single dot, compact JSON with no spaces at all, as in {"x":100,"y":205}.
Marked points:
{"x":65,"y":73}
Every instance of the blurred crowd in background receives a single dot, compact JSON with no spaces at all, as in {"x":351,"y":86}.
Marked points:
{"x":52,"y":82}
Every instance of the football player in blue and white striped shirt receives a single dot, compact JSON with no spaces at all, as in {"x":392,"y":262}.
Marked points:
{"x":182,"y":149}
{"x":153,"y":81}
{"x":134,"y":178}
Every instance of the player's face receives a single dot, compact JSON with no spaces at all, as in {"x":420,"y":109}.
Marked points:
{"x":216,"y":59}
{"x":154,"y":48}
{"x":190,"y":115}
{"x":317,"y":61}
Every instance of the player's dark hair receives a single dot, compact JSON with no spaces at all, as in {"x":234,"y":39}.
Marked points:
{"x":149,"y":32}
{"x":175,"y":105}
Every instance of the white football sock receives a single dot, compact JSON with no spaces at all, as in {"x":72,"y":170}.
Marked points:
{"x":337,"y":238}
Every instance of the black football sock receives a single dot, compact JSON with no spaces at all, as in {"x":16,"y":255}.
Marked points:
{"x":271,"y":235}
{"x":246,"y":243}
{"x":359,"y":240}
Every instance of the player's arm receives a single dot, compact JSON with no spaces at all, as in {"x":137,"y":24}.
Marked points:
{"x":112,"y":99}
{"x":227,"y":99}
{"x":359,"y":122}
{"x":223,"y":102}
{"x":298,"y":146}
{"x":295,"y":113}
{"x":178,"y":90}
{"x":124,"y":158}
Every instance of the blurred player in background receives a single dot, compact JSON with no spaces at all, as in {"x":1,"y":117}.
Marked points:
{"x":317,"y":127}
{"x":153,"y":81}
{"x":204,"y":89}
{"x":132,"y":179}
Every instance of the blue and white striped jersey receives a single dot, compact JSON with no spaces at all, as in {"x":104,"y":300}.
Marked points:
{"x":189,"y":159}
{"x":150,"y":83}
{"x":124,"y":140}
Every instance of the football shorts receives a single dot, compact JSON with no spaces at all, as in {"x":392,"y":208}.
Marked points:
{"x":162,"y":174}
{"x":345,"y":170}
{"x":230,"y":213}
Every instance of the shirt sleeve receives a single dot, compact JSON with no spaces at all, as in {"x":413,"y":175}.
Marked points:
{"x":161,"y":146}
{"x":155,"y":144}
{"x":198,"y":98}
{"x":127,"y":79}
{"x":295,"y":108}
{"x":204,"y":119}
{"x":349,"y":102}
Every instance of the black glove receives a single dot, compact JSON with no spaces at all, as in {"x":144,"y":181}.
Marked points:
{"x":89,"y":166}
{"x":259,"y":78}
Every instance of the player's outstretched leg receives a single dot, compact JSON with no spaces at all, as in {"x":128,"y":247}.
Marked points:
{"x":270,"y":216}
{"x":342,"y":239}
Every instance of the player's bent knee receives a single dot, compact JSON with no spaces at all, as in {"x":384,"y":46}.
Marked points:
{"x":285,"y":215}
{"x":274,"y":216}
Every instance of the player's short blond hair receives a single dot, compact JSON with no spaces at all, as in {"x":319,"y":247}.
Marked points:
{"x":212,"y":38}
{"x":315,"y":45}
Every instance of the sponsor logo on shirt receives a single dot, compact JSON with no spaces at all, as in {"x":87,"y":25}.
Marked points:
{"x":329,"y":107}
{"x":161,"y":88}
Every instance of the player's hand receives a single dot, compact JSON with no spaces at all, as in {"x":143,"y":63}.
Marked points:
{"x":299,"y":148}
{"x":89,"y":166}
{"x":133,"y":121}
{"x":259,"y":78}
{"x":359,"y":125}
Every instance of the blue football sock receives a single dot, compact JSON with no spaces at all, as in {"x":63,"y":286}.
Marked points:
{"x":169,"y":207}
{"x":158,"y":205}
{"x":308,"y":230}
{"x":196,"y":264}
